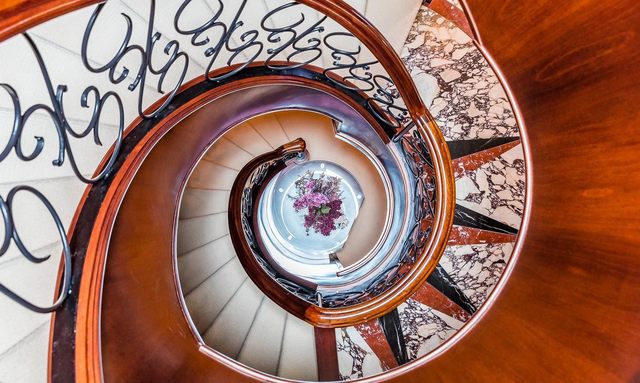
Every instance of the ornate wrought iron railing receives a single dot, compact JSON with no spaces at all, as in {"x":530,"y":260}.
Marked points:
{"x":243,"y":209}
{"x":141,"y":74}
{"x":11,"y":234}
{"x":247,"y":192}
{"x":163,"y":66}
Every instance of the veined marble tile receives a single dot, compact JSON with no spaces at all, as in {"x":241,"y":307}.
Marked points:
{"x":355,"y":358}
{"x":496,"y":189}
{"x":476,"y":268}
{"x":455,"y":81}
{"x":424,"y":328}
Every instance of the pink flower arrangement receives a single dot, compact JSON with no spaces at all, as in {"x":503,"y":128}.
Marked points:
{"x":321,"y":197}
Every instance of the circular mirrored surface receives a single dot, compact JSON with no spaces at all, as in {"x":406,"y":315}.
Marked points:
{"x":310,"y":210}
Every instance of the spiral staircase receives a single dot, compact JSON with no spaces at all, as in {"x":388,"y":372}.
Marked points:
{"x":147,"y":145}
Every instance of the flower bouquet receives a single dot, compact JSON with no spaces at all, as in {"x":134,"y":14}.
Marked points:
{"x":321,"y":197}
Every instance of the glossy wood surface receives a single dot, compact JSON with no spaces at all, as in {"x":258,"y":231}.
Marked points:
{"x":570,"y":311}
{"x":272,"y":289}
{"x":154,"y":344}
{"x":326,"y":354}
{"x":140,"y":283}
{"x":17,"y":16}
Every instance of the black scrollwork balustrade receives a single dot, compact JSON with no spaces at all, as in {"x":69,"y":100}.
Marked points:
{"x":11,"y":235}
{"x":417,"y":156}
{"x":276,"y":42}
{"x":145,"y":54}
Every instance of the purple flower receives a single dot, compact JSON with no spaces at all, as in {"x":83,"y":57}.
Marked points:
{"x":321,"y":197}
{"x":314,"y":200}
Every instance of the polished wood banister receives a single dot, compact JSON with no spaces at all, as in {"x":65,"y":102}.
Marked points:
{"x":16,"y":16}
{"x":89,"y":356}
{"x":274,"y":161}
{"x":338,"y":10}
{"x":243,"y":225}
{"x":360,"y":27}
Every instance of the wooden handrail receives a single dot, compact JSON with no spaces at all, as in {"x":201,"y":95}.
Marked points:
{"x":18,"y":15}
{"x":272,"y":163}
{"x":89,"y":336}
{"x":244,"y":202}
{"x":361,"y":28}
{"x":33,"y":13}
{"x":570,"y":309}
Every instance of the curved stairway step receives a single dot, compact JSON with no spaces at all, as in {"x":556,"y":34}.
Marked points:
{"x":27,"y":360}
{"x":209,"y":298}
{"x":231,"y":327}
{"x":210,"y":176}
{"x":199,"y":203}
{"x":199,"y":264}
{"x":298,"y":358}
{"x":263,"y":345}
{"x":199,"y":231}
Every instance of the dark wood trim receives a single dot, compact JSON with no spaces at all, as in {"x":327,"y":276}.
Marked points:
{"x":16,"y":16}
{"x":282,"y":297}
{"x":327,"y":354}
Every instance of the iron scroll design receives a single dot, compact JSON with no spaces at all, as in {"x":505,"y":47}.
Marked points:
{"x":419,"y":162}
{"x":418,"y":159}
{"x":11,"y":234}
{"x":160,"y":65}
{"x":298,"y":42}
{"x":145,"y":53}
{"x":250,"y":195}
{"x":91,"y":99}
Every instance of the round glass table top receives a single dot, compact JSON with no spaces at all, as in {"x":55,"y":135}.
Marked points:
{"x":311,"y":209}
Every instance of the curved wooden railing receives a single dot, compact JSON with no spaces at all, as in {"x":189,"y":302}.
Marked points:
{"x":88,"y":354}
{"x":368,"y":300}
{"x":243,"y":205}
{"x":570,"y":310}
{"x":94,"y":225}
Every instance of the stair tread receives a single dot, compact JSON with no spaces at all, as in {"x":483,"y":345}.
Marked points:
{"x":198,"y":203}
{"x":232,"y":325}
{"x":197,"y":232}
{"x":36,"y":283}
{"x":298,"y":356}
{"x":212,"y":176}
{"x":28,"y":360}
{"x":261,"y":349}
{"x":210,"y":297}
{"x":196,"y":266}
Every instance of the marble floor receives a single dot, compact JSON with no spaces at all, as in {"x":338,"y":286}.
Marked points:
{"x":472,"y":109}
